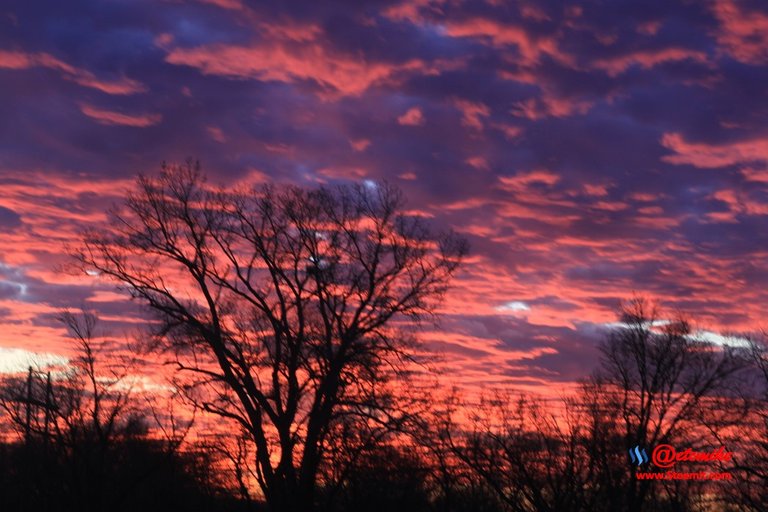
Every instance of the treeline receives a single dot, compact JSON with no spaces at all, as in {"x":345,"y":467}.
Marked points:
{"x":82,"y":442}
{"x":130,"y":472}
{"x":658,"y":382}
{"x":79,"y":438}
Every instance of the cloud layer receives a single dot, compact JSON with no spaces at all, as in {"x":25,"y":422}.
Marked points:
{"x":587,"y":151}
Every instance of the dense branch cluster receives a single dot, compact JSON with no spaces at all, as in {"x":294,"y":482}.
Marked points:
{"x":283,"y":306}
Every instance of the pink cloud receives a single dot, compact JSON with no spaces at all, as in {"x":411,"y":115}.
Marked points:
{"x":283,"y":62}
{"x":234,"y":5}
{"x":531,"y":47}
{"x":520,"y":181}
{"x":533,"y":12}
{"x":549,"y":105}
{"x":21,"y":60}
{"x":478,"y":162}
{"x":108,"y":296}
{"x":509,"y":131}
{"x":253,"y":177}
{"x":468,"y":348}
{"x":409,"y":11}
{"x":755,"y":175}
{"x":109,"y":117}
{"x":650,"y":28}
{"x":413,"y":117}
{"x":472,"y":112}
{"x":360,"y":144}
{"x":743,"y":33}
{"x":709,"y":156}
{"x":216,"y":134}
{"x":346,"y":173}
{"x":647,"y":59}
{"x":44,"y":201}
{"x":597,"y":190}
{"x":738,"y":203}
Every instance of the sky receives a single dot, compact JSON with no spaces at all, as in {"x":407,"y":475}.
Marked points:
{"x":588,"y":150}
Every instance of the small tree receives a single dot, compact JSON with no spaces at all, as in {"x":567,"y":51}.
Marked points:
{"x":85,"y":440}
{"x":283,"y":307}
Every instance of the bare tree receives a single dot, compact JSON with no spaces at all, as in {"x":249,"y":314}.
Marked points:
{"x":74,"y":415}
{"x":751,"y":484}
{"x":284,"y":308}
{"x":81,"y":401}
{"x":656,"y":383}
{"x":530,"y":457}
{"x":659,"y":383}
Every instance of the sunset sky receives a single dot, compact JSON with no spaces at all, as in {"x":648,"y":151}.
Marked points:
{"x":587,"y":151}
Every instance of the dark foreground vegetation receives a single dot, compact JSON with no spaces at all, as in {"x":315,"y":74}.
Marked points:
{"x":295,"y":328}
{"x":131,"y":474}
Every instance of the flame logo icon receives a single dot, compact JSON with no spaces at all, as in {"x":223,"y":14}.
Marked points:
{"x":638,"y":455}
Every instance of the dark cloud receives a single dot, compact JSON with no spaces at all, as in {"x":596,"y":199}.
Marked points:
{"x":9,"y":219}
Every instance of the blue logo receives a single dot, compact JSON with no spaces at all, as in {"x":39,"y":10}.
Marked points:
{"x":638,"y":456}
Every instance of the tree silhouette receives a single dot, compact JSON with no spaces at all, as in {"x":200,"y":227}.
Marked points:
{"x":530,"y":458}
{"x":79,"y":414}
{"x":87,"y":443}
{"x":284,"y":307}
{"x":751,"y":483}
{"x":657,"y":382}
